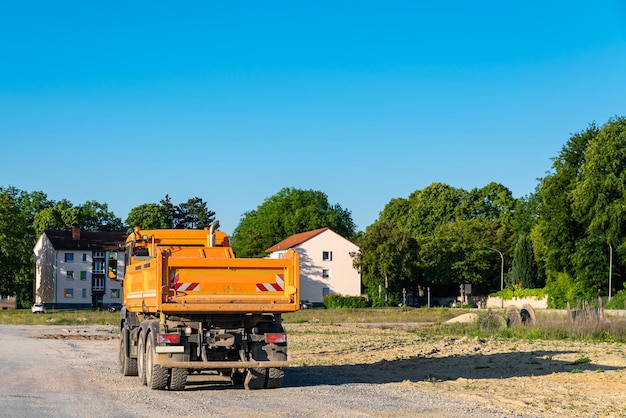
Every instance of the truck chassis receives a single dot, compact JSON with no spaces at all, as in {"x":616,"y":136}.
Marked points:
{"x":251,"y":349}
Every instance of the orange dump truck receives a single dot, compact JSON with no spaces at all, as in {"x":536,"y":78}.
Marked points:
{"x":191,"y":306}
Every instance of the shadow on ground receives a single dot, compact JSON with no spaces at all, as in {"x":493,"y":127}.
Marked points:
{"x":415,"y":369}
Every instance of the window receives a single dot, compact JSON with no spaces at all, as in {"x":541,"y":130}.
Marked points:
{"x":98,"y":254}
{"x":69,"y":257}
{"x":98,"y":284}
{"x":68,"y":293}
{"x":326,"y":273}
{"x":98,"y":267}
{"x":83,"y":293}
{"x":84,"y":257}
{"x":83,"y":275}
{"x":327,"y":256}
{"x":115,"y":293}
{"x":69,"y":275}
{"x":112,"y":265}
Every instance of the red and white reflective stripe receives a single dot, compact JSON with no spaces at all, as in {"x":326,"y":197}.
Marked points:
{"x":279,"y":286}
{"x":183,"y":286}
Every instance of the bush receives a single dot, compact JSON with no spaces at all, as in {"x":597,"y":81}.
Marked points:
{"x":338,"y":301}
{"x":618,"y":301}
{"x":562,"y":288}
{"x":519,"y":292}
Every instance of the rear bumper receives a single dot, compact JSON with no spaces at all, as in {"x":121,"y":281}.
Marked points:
{"x":215,"y":365}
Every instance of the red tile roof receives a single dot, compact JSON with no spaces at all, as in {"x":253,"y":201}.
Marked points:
{"x":295,"y":240}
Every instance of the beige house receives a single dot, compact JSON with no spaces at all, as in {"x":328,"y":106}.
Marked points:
{"x":325,"y":263}
{"x":70,"y":269}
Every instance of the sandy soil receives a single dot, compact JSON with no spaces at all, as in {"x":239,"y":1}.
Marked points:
{"x":513,"y":377}
{"x":529,"y":378}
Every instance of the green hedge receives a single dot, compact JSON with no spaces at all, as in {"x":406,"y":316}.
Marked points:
{"x":337,"y":301}
{"x":518,"y":292}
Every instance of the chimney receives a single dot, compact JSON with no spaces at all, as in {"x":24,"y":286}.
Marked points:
{"x":76,"y":233}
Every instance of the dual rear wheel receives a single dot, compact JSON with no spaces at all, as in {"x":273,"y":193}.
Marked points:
{"x":128,"y":366}
{"x":152,"y":374}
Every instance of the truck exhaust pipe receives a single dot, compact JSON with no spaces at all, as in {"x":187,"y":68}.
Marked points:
{"x":212,"y":229}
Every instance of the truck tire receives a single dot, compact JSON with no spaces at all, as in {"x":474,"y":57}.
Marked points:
{"x":178,"y":379}
{"x":255,"y":379}
{"x":265,"y":378}
{"x":156,"y":376}
{"x":275,"y":378}
{"x":141,"y":359}
{"x":128,"y":366}
{"x":270,"y":378}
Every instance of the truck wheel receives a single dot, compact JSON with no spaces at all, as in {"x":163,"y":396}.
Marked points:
{"x":236,"y":378}
{"x":275,"y":375}
{"x":255,"y":379}
{"x":156,"y":376}
{"x":128,"y":366}
{"x":275,"y":378}
{"x":178,"y":379}
{"x":270,"y":378}
{"x":141,"y":359}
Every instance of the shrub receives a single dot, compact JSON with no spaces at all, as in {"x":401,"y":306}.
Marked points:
{"x":519,"y":292}
{"x":338,"y":301}
{"x":562,"y":288}
{"x":618,"y":301}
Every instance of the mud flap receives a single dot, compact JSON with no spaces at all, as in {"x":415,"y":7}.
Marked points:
{"x":266,"y":378}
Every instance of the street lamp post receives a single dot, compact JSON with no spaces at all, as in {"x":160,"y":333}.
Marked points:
{"x":501,"y":267}
{"x":610,"y":267}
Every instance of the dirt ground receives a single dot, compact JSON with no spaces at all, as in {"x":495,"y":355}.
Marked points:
{"x":529,"y":378}
{"x":526,"y":378}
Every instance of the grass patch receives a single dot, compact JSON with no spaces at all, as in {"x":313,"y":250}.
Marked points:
{"x":59,"y":317}
{"x":371,"y":315}
{"x":549,"y":326}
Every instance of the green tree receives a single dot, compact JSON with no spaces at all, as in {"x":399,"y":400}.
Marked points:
{"x":171,"y":211}
{"x":451,"y":227}
{"x":148,"y":216}
{"x":12,"y":249}
{"x":388,"y":260}
{"x":62,"y":216}
{"x":456,"y":253}
{"x":524,"y":266}
{"x":91,"y":216}
{"x":431,"y":207}
{"x":96,"y":216}
{"x":288,"y":212}
{"x":193,"y":214}
{"x":526,"y":214}
{"x":598,"y":205}
{"x":557,"y":231}
{"x":17,"y":238}
{"x":582,"y":215}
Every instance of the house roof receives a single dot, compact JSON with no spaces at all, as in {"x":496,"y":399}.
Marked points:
{"x":88,"y":240}
{"x":295,"y":240}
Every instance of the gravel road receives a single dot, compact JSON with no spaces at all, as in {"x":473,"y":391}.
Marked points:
{"x":57,"y":371}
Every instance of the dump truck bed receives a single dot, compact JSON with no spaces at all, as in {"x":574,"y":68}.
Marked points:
{"x":192,"y":277}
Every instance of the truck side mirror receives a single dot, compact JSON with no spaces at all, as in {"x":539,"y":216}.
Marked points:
{"x":112,"y":265}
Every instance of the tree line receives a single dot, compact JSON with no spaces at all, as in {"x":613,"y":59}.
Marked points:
{"x":560,"y":237}
{"x":24,"y":216}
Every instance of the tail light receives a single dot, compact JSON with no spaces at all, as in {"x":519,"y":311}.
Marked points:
{"x":276,"y":338}
{"x":168,"y":339}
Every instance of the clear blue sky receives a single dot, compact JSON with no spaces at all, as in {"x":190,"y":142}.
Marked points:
{"x":125,"y":102}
